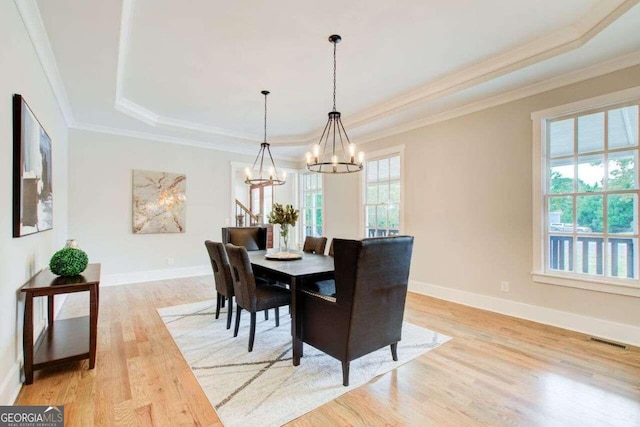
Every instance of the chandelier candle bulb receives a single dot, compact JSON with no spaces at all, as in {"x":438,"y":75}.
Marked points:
{"x":361,"y":157}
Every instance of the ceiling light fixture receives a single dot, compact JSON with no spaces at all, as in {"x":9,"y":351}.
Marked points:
{"x":263,"y":175}
{"x":329,"y":154}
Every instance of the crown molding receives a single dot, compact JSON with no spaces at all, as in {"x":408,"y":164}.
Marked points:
{"x":504,"y":98}
{"x":240,"y":149}
{"x":32,"y":20}
{"x":601,"y":15}
{"x":569,"y":38}
{"x":514,"y":95}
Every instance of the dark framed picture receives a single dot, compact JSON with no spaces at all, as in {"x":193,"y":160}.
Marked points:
{"x":32,"y":186}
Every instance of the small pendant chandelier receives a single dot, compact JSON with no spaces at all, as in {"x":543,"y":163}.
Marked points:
{"x":266,"y":174}
{"x":329,"y":154}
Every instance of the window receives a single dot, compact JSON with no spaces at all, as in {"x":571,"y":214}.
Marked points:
{"x":311,"y":205}
{"x":382,"y":196}
{"x":587,"y":232}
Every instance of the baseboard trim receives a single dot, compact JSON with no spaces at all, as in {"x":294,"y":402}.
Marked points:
{"x":11,"y":386}
{"x":619,"y":332}
{"x":152,"y":275}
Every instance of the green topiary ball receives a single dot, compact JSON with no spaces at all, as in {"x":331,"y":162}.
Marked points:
{"x":69,"y":262}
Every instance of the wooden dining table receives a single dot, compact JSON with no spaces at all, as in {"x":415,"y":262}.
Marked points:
{"x":312,"y":267}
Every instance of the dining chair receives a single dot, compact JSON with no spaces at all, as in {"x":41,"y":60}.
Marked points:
{"x":371,"y":278}
{"x":252,"y":238}
{"x":222,"y":276}
{"x":250,"y":297}
{"x":314,"y":245}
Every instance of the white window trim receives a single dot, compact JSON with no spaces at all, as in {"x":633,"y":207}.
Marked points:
{"x":300,"y":172}
{"x":630,"y":287}
{"x":398,"y":149}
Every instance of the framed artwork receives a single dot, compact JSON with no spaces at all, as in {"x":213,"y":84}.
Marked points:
{"x":32,"y":184}
{"x":159,"y":202}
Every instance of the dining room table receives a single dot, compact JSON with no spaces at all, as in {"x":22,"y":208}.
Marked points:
{"x":293,"y":272}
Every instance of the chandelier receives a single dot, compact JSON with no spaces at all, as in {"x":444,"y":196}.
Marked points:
{"x":329,"y":154}
{"x":264,"y":174}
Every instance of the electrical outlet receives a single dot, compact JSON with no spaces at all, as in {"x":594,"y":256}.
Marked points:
{"x":170,"y":261}
{"x":504,"y":286}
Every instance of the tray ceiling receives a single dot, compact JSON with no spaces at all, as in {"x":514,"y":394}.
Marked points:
{"x":192,"y":71}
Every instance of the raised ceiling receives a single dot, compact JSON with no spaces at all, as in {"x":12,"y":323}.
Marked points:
{"x":191,"y":72}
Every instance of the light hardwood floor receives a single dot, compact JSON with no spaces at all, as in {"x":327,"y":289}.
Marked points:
{"x":497,"y":370}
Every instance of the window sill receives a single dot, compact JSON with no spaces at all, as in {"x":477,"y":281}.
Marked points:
{"x":632,"y":288}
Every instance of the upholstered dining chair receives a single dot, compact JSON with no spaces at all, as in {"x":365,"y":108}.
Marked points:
{"x":252,"y":238}
{"x":250,"y":297}
{"x":314,"y":245}
{"x":222,"y":277}
{"x":371,"y":278}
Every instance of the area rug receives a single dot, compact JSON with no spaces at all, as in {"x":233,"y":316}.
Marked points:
{"x":263,"y":387}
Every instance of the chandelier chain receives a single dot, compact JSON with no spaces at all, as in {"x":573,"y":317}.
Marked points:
{"x":334,"y":76}
{"x":265,"y":117}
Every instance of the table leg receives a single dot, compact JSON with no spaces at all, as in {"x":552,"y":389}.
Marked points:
{"x":50,"y":309}
{"x":296,"y":323}
{"x":93,"y":324}
{"x":27,"y":339}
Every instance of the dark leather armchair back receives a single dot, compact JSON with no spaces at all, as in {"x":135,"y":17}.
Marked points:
{"x":221,"y":268}
{"x":252,"y":238}
{"x":244,"y":282}
{"x":314,"y":245}
{"x":371,"y":278}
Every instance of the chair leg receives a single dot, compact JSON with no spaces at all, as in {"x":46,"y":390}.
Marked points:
{"x":266,"y":315}
{"x":394,"y":351}
{"x":218,"y":303}
{"x":277,"y":316}
{"x":229,"y":312}
{"x":345,"y":374}
{"x":252,"y":331}
{"x":223,"y":302}
{"x":238,"y":310}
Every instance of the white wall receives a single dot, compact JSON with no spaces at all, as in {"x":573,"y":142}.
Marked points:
{"x":468,"y":189}
{"x":22,"y":257}
{"x":100,"y":209}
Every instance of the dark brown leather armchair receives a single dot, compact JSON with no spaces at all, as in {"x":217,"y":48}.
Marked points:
{"x":249,"y":296}
{"x":371,"y":278}
{"x":314,"y":245}
{"x":222,"y":276}
{"x":252,"y":238}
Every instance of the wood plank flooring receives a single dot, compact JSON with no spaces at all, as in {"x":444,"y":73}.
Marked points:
{"x":497,"y":370}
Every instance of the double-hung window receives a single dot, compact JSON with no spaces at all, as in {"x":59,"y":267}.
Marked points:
{"x":589,"y":194}
{"x":311,"y":205}
{"x":382,"y":196}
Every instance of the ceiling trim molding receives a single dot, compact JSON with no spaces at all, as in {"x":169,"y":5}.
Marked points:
{"x":504,"y":98}
{"x":534,"y":89}
{"x":244,"y":149}
{"x":569,"y":38}
{"x":600,"y":16}
{"x":32,"y":20}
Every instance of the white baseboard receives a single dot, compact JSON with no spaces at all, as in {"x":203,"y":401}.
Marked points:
{"x":10,"y":386}
{"x":619,"y":332}
{"x":152,"y":275}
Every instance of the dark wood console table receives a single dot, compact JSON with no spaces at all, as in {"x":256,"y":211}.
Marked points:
{"x":65,"y":340}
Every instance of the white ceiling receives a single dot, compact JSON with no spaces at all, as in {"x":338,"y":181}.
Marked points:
{"x":191,"y":72}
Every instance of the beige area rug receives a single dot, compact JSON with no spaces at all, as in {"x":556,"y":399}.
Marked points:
{"x":263,"y":387}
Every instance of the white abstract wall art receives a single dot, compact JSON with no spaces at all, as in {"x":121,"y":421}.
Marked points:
{"x":159,"y":202}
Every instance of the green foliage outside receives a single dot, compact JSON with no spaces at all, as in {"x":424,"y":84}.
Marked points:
{"x":69,"y":262}
{"x":590,"y":208}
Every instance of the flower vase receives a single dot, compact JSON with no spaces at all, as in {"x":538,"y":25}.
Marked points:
{"x":284,"y":232}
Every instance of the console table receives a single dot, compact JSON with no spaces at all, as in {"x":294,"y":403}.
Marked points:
{"x":65,"y":340}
